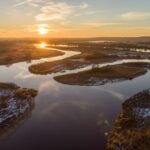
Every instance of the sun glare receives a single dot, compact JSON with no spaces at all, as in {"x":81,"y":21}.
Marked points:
{"x":43,"y":45}
{"x":43,"y":30}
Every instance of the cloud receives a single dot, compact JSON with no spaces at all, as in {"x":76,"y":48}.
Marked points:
{"x":57,"y":11}
{"x":83,"y":6}
{"x":34,"y":3}
{"x":101,"y":24}
{"x":90,"y":12}
{"x":132,"y":16}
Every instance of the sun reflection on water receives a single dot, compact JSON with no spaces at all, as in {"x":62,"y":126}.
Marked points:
{"x":41,"y":45}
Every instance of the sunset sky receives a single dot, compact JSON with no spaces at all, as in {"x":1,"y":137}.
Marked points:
{"x":74,"y":18}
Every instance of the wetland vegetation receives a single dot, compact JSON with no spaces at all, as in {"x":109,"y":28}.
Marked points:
{"x":89,"y":64}
{"x":132,"y":128}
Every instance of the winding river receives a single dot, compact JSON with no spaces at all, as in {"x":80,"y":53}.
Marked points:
{"x":68,"y":117}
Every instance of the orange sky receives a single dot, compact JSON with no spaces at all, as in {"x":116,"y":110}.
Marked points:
{"x":68,"y":18}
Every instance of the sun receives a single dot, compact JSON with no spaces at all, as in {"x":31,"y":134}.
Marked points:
{"x":43,"y":30}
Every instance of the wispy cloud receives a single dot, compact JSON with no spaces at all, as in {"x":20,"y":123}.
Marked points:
{"x":34,"y":3}
{"x":57,"y":11}
{"x":21,"y":3}
{"x":83,"y":6}
{"x":89,"y":12}
{"x":132,"y":16}
{"x":54,"y":11}
{"x":101,"y":24}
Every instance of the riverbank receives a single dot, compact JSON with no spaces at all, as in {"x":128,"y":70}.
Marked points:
{"x":131,"y":130}
{"x":81,"y":111}
{"x":90,"y":53}
{"x":107,"y":74}
{"x":14,"y":102}
{"x":14,"y":52}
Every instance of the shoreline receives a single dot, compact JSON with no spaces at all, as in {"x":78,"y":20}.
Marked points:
{"x":131,"y":130}
{"x":101,"y":76}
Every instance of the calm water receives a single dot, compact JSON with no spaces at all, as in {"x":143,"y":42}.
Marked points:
{"x":66,"y":117}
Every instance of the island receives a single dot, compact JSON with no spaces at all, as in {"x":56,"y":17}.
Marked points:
{"x":132,"y":128}
{"x":107,"y":74}
{"x":16,"y":104}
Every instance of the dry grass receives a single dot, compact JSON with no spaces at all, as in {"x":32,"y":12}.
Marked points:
{"x":8,"y":86}
{"x":130,"y":133}
{"x":124,"y":71}
{"x":13,"y":53}
{"x":88,"y":57}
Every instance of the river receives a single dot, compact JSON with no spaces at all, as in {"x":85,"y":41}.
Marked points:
{"x":67,"y":117}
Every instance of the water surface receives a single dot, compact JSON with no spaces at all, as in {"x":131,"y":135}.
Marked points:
{"x":67,"y":117}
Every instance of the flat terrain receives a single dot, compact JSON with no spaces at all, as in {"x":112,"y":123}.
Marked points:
{"x":13,"y":52}
{"x":91,"y":53}
{"x":99,"y":76}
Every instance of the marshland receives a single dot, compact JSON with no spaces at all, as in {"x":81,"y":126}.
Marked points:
{"x":68,"y":93}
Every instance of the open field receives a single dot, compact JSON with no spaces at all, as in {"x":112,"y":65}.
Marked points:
{"x":13,"y":52}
